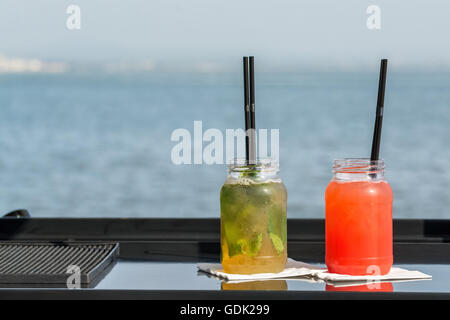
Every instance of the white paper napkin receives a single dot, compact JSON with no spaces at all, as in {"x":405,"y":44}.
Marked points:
{"x":394,"y":274}
{"x":301,"y":269}
{"x":293,"y":269}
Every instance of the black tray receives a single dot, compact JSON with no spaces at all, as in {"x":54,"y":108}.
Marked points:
{"x":50,"y":264}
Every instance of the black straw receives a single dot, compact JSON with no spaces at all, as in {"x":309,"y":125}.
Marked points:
{"x":252,"y":112}
{"x":379,"y":115}
{"x":246,"y":109}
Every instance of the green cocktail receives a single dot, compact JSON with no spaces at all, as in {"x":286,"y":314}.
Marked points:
{"x":253,"y":220}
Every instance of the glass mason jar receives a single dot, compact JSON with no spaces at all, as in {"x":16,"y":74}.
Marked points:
{"x":358,"y":218}
{"x":253,"y":219}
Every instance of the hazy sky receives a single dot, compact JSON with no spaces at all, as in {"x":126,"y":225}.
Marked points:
{"x":283,"y":33}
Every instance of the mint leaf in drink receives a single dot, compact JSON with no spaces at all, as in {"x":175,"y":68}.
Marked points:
{"x":277,"y":243}
{"x":250,"y":173}
{"x":243,"y":246}
{"x":236,"y":247}
{"x":232,"y":199}
{"x":255,"y":244}
{"x":277,"y":223}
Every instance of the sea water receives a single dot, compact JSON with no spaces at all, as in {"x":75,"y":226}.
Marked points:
{"x":98,"y":145}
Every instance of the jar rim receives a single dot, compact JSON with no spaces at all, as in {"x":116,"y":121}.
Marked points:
{"x":358,"y":165}
{"x":261,"y":165}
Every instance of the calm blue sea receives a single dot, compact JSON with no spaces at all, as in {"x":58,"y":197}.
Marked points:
{"x":99,"y":145}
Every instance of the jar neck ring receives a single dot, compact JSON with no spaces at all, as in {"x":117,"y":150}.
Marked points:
{"x":261,"y":165}
{"x":358,"y":169}
{"x":263,"y":169}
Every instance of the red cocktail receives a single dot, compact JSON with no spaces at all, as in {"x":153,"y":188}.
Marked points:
{"x":358,"y":205}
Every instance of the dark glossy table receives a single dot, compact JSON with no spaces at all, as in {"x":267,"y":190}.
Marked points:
{"x":144,"y":275}
{"x":158,"y":260}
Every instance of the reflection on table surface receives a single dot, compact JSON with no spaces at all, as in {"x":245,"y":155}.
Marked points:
{"x":276,"y":285}
{"x":151,"y":275}
{"x":367,"y":287}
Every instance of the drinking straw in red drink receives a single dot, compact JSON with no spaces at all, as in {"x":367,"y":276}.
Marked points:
{"x":358,"y":209}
